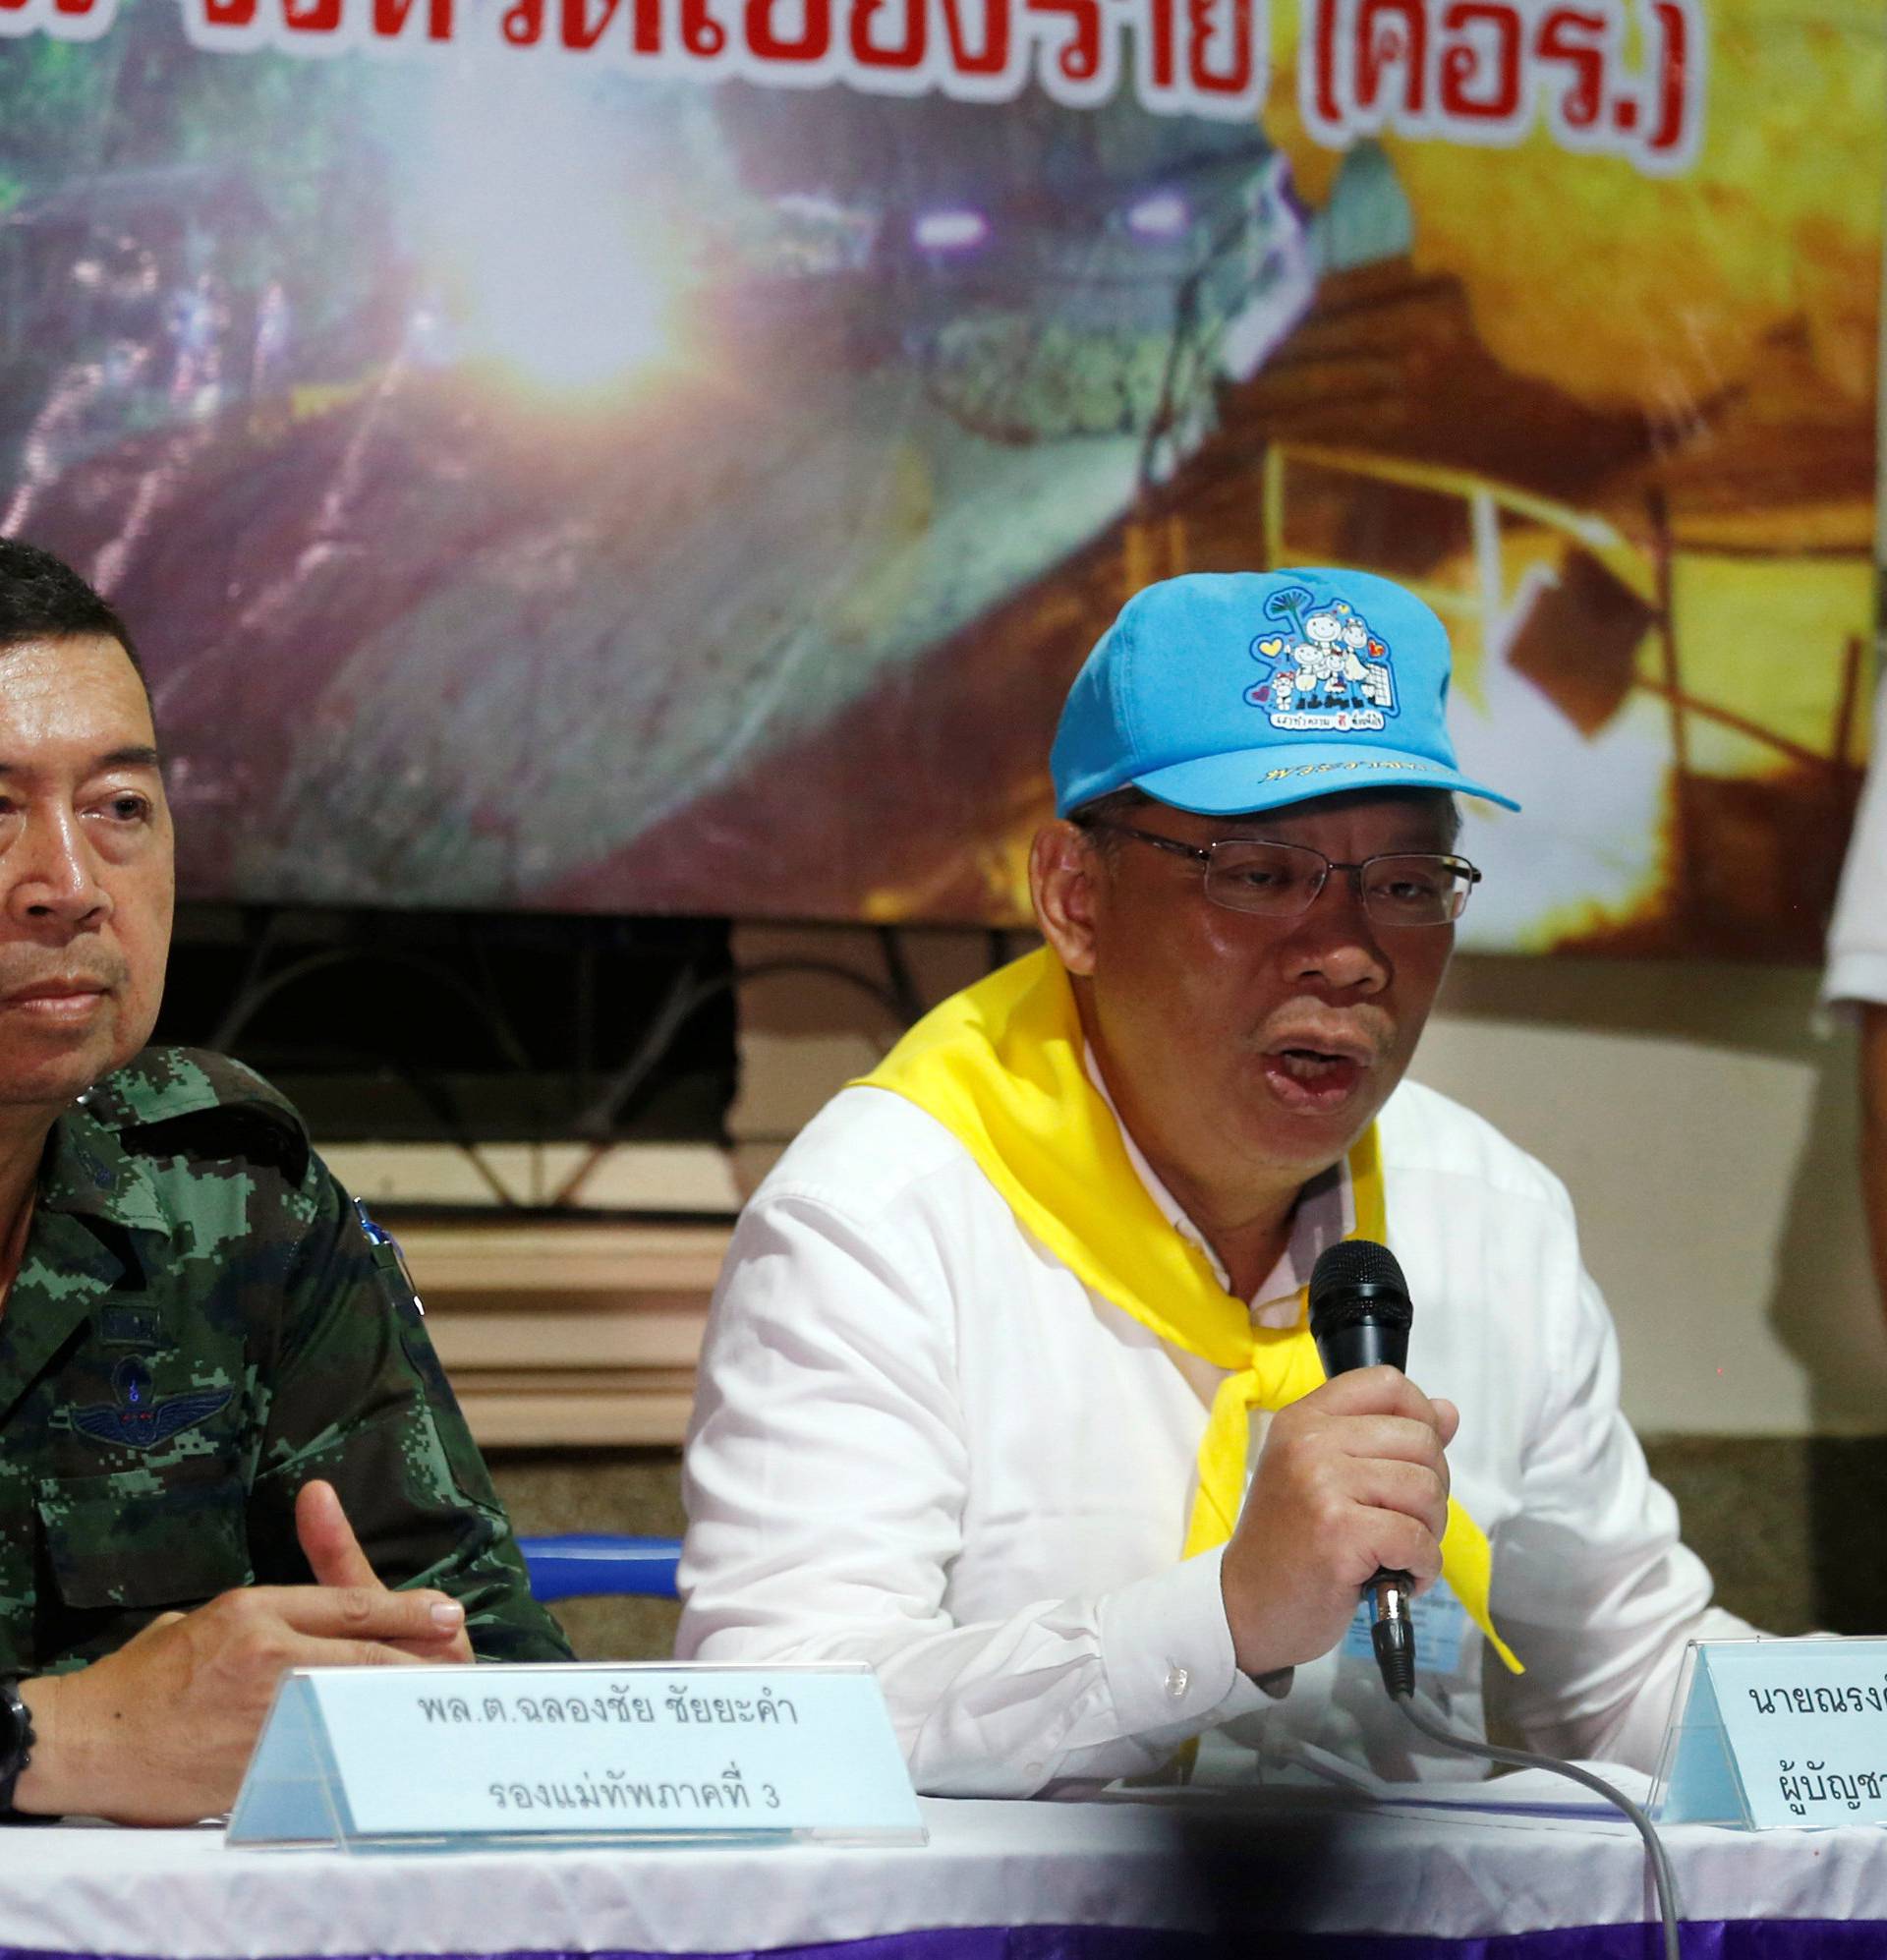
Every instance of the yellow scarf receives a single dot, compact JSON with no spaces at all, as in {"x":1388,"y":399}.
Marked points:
{"x":1002,"y":1066}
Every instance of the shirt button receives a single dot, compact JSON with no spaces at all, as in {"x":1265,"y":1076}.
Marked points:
{"x":1177,"y":1682}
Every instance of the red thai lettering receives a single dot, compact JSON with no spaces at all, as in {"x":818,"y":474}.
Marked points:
{"x":390,"y":18}
{"x":1079,"y":58}
{"x":1674,"y":31}
{"x":1162,"y":58}
{"x":1211,"y":30}
{"x":992,"y":56}
{"x":813,"y":43}
{"x":1482,"y":68}
{"x":1559,"y":40}
{"x":1321,"y":42}
{"x":907,"y":52}
{"x":700,"y":33}
{"x":583,"y":22}
{"x":1471,"y":86}
{"x":584,"y":27}
{"x":1476,"y":68}
{"x":1392,"y":33}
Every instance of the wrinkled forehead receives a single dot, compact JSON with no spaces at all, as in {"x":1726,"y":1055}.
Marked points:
{"x":80,"y":693}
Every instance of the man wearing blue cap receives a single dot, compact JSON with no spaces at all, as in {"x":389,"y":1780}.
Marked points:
{"x":1008,"y":1388}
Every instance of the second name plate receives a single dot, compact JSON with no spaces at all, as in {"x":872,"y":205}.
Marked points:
{"x":355,"y":1755}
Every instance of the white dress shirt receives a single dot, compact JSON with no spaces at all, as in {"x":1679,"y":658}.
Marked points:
{"x":1857,"y":968}
{"x":921,"y":1441}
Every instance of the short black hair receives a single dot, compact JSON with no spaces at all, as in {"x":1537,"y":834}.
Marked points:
{"x":41,"y":598}
{"x":1117,"y":806}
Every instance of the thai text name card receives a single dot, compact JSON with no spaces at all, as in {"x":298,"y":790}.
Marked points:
{"x":1775,"y":1732}
{"x":369,"y":1755}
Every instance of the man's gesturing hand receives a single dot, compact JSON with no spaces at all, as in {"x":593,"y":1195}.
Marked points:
{"x":160,"y":1731}
{"x":334,"y":1556}
{"x":1351,"y":1477}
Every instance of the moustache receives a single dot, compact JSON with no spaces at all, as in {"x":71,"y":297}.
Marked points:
{"x":1363,"y":1033}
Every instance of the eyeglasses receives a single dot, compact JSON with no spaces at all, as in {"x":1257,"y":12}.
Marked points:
{"x":1282,"y":881}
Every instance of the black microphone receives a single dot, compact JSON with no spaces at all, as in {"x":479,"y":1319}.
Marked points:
{"x":1359,"y":1319}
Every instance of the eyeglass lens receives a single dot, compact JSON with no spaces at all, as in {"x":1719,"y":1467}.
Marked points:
{"x":1418,"y":888}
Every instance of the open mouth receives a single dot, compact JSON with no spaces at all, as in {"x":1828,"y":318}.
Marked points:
{"x":1312,"y":1078}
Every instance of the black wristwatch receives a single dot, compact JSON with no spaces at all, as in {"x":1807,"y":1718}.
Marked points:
{"x":16,"y":1739}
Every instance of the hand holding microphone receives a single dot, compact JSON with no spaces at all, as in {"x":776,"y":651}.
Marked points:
{"x":1359,"y":1319}
{"x":1351,"y":1482}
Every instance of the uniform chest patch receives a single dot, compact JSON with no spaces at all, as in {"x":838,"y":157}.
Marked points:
{"x":131,"y":1327}
{"x":136,"y":1418}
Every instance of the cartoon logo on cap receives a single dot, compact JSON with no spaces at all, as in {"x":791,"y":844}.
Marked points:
{"x":1329,"y":672}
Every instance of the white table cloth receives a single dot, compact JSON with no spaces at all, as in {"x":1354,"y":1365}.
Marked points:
{"x":1317,"y":1866}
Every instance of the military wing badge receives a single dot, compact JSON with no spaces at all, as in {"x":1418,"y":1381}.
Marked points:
{"x":135,"y":1420}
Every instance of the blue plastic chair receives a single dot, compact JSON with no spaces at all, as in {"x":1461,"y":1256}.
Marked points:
{"x":581,"y":1564}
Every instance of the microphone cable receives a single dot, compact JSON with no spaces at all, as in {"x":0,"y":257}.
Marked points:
{"x":1360,"y":1315}
{"x":1663,"y":1879}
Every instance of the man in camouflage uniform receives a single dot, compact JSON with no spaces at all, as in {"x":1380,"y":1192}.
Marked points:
{"x":226,"y":1446}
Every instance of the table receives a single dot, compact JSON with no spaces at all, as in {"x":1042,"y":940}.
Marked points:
{"x":1141,"y":1881}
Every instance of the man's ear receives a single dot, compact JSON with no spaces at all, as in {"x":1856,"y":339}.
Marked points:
{"x":1068,"y":880}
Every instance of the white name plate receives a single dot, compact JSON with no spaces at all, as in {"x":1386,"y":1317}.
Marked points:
{"x":1773,"y":1732}
{"x":382,"y":1755}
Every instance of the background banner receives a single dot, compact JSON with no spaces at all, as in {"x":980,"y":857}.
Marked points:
{"x":644,"y":455}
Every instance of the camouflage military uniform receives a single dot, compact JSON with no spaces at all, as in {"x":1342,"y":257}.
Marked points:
{"x":198,"y":1329}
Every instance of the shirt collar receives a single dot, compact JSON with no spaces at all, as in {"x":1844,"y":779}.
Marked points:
{"x":1325,"y":1212}
{"x":88,"y":1170}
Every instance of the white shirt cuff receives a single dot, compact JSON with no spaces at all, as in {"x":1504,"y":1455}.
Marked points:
{"x":1167,"y":1646}
{"x":1855,"y":975}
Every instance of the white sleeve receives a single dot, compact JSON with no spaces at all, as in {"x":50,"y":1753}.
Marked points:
{"x":826,"y":1479}
{"x":1592,"y":1585}
{"x":1857,"y":934}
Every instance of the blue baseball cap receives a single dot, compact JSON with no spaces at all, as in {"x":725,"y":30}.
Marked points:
{"x":1221,"y":692}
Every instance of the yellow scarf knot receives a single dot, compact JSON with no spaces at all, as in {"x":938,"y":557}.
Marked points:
{"x":1003,"y":1067}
